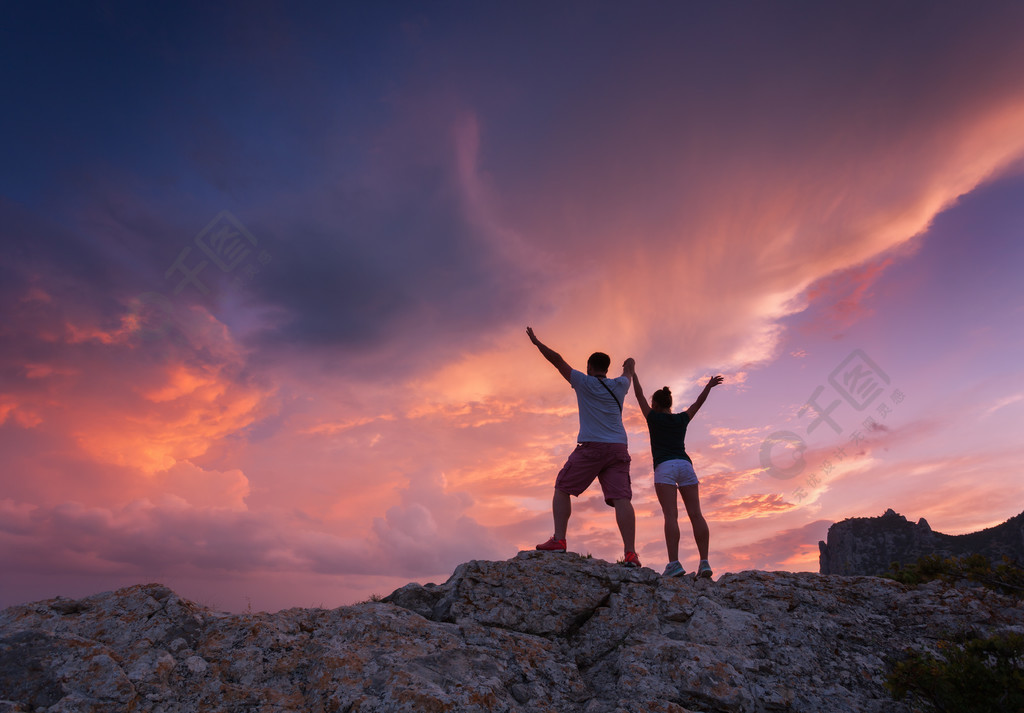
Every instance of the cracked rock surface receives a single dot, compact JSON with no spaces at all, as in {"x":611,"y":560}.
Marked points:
{"x":538,"y":632}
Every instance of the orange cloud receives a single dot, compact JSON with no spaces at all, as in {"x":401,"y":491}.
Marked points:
{"x":684,"y":247}
{"x":186,"y":417}
{"x":16,"y":412}
{"x":758,"y":505}
{"x":790,"y":549}
{"x":78,"y":334}
{"x":41,"y":371}
{"x":339,"y":426}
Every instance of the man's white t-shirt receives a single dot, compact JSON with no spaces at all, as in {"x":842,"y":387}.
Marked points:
{"x":600,"y":415}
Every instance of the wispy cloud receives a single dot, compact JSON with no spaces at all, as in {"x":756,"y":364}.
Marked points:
{"x":368,"y":403}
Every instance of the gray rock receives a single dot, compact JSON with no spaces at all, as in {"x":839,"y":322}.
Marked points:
{"x":539,"y":632}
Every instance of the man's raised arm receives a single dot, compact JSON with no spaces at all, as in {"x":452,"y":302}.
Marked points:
{"x":550,"y":354}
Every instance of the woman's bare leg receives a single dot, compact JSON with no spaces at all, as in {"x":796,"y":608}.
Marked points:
{"x":669,"y":508}
{"x":701,"y":535}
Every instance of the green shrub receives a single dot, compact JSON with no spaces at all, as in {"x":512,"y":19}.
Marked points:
{"x":973,"y":675}
{"x":1007,"y":577}
{"x":968,"y":673}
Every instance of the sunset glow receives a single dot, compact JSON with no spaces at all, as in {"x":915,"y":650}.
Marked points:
{"x":343,"y":399}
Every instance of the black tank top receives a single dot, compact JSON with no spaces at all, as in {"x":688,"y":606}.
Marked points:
{"x":668,"y":433}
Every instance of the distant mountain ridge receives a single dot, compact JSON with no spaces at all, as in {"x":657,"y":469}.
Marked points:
{"x":869,"y":545}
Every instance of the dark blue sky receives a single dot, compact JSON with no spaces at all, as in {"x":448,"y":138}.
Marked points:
{"x":754,"y":189}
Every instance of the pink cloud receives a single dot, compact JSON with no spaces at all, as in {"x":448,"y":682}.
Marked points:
{"x":425,"y":532}
{"x":844,"y":294}
{"x":793,"y":549}
{"x":140,"y":438}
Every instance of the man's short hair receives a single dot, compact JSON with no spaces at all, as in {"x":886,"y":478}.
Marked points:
{"x":599,"y":361}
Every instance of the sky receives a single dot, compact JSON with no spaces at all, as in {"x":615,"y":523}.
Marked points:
{"x":267,"y":269}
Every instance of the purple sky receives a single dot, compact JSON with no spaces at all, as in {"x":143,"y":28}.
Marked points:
{"x":343,"y":399}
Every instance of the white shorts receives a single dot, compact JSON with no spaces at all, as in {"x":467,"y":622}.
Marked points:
{"x":677,"y":472}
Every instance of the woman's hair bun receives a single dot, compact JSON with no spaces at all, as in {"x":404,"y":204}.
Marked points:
{"x":666,"y":389}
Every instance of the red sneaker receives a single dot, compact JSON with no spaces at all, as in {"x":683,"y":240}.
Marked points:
{"x":631,"y":560}
{"x":552,"y":545}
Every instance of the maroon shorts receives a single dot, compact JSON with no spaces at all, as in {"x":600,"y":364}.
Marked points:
{"x":608,"y":462}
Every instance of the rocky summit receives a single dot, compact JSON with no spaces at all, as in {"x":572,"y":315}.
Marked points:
{"x":539,"y":632}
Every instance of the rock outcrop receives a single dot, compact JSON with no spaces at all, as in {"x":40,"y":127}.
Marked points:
{"x":539,"y":632}
{"x":869,"y":545}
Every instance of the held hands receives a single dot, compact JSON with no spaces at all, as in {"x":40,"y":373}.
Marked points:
{"x":629,"y":368}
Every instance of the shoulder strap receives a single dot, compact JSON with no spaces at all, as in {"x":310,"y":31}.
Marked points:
{"x":617,"y":402}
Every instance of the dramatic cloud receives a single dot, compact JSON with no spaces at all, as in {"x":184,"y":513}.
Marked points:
{"x":331,"y":379}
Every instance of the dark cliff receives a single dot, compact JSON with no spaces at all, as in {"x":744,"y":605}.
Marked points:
{"x":869,"y":545}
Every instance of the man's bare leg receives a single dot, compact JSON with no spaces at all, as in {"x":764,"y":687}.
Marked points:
{"x":561,"y":509}
{"x":625,"y":518}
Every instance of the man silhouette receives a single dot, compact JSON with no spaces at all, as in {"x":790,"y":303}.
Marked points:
{"x":601,"y":451}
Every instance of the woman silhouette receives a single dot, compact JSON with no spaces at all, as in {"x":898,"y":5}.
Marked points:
{"x":673,"y":470}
